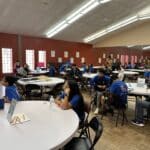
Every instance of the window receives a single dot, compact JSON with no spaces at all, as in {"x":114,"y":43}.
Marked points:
{"x":30,"y":58}
{"x":42,"y":58}
{"x":7,"y":60}
{"x":122,"y":59}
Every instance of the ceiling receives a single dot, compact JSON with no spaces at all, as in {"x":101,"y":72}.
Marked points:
{"x":35,"y":17}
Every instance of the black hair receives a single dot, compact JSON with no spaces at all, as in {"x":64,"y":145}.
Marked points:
{"x":10,"y":79}
{"x":74,"y":89}
{"x":101,"y":71}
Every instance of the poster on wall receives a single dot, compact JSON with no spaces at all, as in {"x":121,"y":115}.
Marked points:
{"x":104,"y":55}
{"x":99,"y":60}
{"x":59,"y":60}
{"x":118,"y":56}
{"x":82,"y":60}
{"x":72,"y":60}
{"x":77,"y":54}
{"x":66,"y":54}
{"x":52,"y":53}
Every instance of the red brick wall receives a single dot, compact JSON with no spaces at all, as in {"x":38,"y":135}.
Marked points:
{"x":8,"y":41}
{"x":91,"y":54}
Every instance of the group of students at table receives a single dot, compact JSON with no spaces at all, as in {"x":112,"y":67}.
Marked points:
{"x":71,"y":97}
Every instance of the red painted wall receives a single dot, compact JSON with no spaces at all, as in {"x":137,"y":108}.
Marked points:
{"x":59,"y":47}
{"x":8,"y":41}
{"x":91,"y":54}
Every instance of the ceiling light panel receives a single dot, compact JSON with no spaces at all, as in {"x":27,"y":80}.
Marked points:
{"x":84,"y":9}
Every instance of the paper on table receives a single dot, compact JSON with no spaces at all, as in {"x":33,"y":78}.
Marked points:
{"x":19,"y":118}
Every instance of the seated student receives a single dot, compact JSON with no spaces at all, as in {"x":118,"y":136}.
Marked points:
{"x":84,"y":68}
{"x":74,"y":73}
{"x":119,"y":92}
{"x":16,"y":67}
{"x":91,"y":69}
{"x":71,"y":98}
{"x":62,"y":68}
{"x":139,"y":111}
{"x":10,"y":90}
{"x":51,"y":69}
{"x":147,"y":75}
{"x":100,"y":83}
{"x":26,"y":68}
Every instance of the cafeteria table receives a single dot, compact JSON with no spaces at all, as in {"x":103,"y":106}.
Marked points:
{"x":49,"y":127}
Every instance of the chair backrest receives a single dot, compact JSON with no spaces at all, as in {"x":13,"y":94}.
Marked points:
{"x":97,"y":127}
{"x":30,"y":87}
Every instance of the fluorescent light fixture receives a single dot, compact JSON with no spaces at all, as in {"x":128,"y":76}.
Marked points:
{"x":56,"y":27}
{"x":104,"y":1}
{"x":143,"y":17}
{"x":94,"y":36}
{"x":73,"y":19}
{"x":146,"y":47}
{"x":84,"y":9}
{"x":58,"y":30}
{"x":122,"y":24}
{"x":92,"y":6}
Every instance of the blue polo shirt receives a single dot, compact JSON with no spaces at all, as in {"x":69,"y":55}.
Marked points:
{"x":97,"y":80}
{"x":77,"y":105}
{"x":12,"y":93}
{"x":147,"y":74}
{"x":91,"y":69}
{"x":62,"y":68}
{"x":52,"y":71}
{"x":120,"y":89}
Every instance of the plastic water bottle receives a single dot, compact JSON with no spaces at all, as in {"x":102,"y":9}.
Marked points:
{"x":51,"y":100}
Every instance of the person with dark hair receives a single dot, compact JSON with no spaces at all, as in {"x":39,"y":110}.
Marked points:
{"x":84,"y":68}
{"x":26,"y":68}
{"x":119,"y":92}
{"x":100,"y":83}
{"x":91,"y":69}
{"x":16,"y":66}
{"x":71,"y":98}
{"x":10,"y":90}
{"x":51,"y":69}
{"x":75,"y":73}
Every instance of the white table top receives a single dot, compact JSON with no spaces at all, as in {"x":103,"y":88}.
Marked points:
{"x":136,"y":70}
{"x":42,"y":81}
{"x":89,"y":75}
{"x":49,"y":127}
{"x":134,"y":89}
{"x":35,"y":72}
{"x":127,"y":72}
{"x":98,"y":67}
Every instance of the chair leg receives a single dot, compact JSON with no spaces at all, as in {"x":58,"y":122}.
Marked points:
{"x":117,"y":117}
{"x":123,"y":117}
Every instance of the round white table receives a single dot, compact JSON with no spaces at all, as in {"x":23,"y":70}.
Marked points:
{"x":41,"y":81}
{"x":136,"y":70}
{"x":40,"y":72}
{"x":139,"y":91}
{"x":127,"y":72}
{"x":89,"y":75}
{"x":49,"y":127}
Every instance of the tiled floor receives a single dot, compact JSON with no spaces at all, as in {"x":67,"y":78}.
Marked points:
{"x":127,"y":137}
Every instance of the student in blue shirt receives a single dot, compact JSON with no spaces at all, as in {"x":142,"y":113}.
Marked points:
{"x":91,"y":69}
{"x":100,"y":83}
{"x":84,"y":67}
{"x":147,"y":75}
{"x":71,"y":98}
{"x":119,"y":93}
{"x":10,"y":90}
{"x":62,"y":68}
{"x":51,"y":69}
